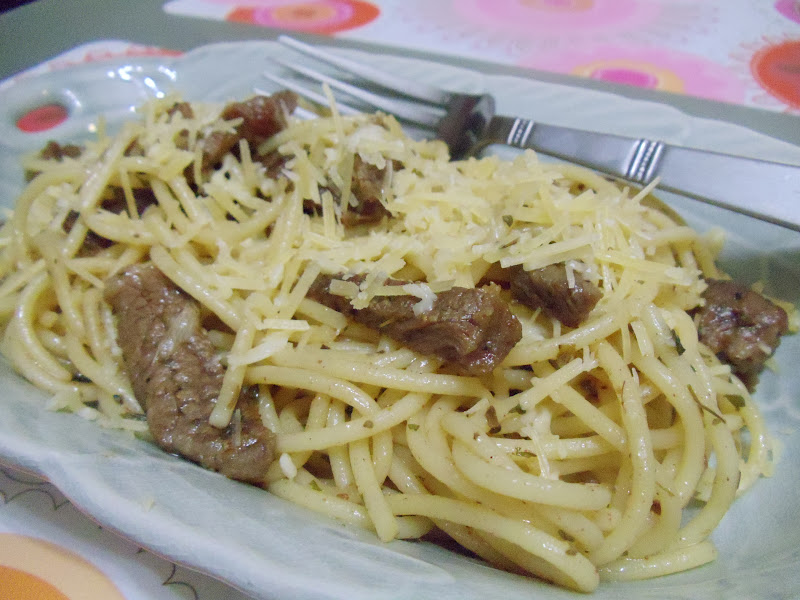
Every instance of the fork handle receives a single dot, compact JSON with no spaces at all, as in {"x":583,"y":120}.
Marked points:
{"x":765,"y":190}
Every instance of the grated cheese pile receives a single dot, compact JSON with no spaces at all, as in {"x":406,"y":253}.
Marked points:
{"x":243,"y":245}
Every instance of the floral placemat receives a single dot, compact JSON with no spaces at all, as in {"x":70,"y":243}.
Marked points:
{"x":51,"y":551}
{"x":738,"y":51}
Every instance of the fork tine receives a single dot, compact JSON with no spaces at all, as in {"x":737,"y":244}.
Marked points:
{"x":423,"y":115}
{"x":343,"y":109}
{"x":406,"y":87}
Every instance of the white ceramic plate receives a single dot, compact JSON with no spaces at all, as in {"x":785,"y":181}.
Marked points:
{"x":272,"y":549}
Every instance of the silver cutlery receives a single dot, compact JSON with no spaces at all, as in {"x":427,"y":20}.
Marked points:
{"x":468,"y":123}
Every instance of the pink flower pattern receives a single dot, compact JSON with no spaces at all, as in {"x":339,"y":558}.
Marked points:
{"x":653,"y":68}
{"x":705,"y":49}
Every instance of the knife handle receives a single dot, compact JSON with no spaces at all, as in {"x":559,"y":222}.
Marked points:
{"x":762,"y":189}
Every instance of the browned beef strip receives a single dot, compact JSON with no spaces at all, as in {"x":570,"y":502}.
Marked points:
{"x":177,"y":377}
{"x":470,"y":329}
{"x":367,"y":189}
{"x":740,"y":326}
{"x":184,"y":108}
{"x":274,"y":162}
{"x":55,"y":151}
{"x":547,"y":288}
{"x":262,"y":117}
{"x":182,"y":137}
{"x":215,"y":146}
{"x":94,"y":243}
{"x":365,"y":206}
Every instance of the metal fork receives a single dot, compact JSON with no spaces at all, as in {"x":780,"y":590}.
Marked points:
{"x":468,"y":123}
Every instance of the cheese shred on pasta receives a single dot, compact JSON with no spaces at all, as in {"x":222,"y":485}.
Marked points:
{"x":606,"y":451}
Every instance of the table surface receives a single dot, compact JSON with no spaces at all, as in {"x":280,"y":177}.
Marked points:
{"x":31,"y":509}
{"x":146,"y":22}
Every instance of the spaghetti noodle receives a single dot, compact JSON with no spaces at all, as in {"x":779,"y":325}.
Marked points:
{"x":608,"y":450}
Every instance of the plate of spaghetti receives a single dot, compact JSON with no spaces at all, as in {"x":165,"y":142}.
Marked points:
{"x":316,"y":358}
